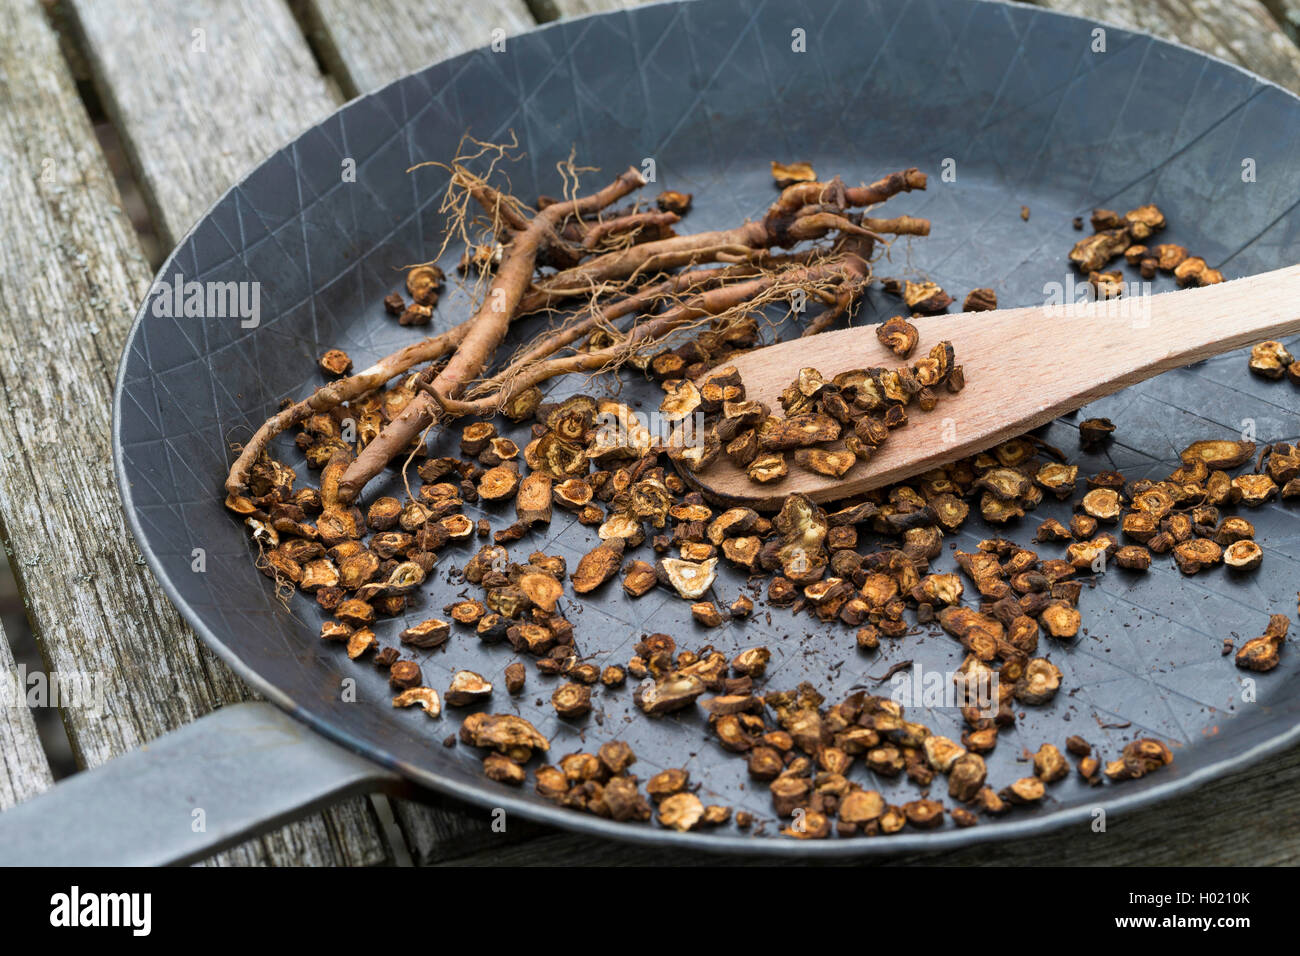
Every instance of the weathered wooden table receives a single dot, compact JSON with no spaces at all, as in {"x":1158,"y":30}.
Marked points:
{"x":197,"y":92}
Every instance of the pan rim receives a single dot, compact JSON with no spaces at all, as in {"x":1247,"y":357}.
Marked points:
{"x":587,"y":824}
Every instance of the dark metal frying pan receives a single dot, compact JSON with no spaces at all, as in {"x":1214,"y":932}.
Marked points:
{"x":1012,"y":100}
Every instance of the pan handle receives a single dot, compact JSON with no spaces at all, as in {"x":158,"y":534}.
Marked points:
{"x":211,"y":784}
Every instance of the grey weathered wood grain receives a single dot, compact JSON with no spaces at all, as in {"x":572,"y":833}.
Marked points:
{"x":1245,"y":819}
{"x":365,"y":49}
{"x":1287,"y":14}
{"x":546,"y":10}
{"x":200,"y":91}
{"x":1240,"y":31}
{"x":71,"y":274}
{"x":24,"y":770}
{"x":446,"y":829}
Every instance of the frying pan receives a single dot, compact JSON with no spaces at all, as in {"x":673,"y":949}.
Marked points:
{"x":1005,"y":106}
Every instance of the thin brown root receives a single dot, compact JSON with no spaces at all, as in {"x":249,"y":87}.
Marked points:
{"x":488,"y":328}
{"x":729,"y":302}
{"x":337,"y":393}
{"x":840,"y":304}
{"x":284,"y":588}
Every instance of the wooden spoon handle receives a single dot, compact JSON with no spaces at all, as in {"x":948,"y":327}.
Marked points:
{"x":1186,"y":327}
{"x":1023,"y":367}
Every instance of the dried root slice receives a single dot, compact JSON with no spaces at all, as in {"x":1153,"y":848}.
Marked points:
{"x":787,"y":174}
{"x":681,"y":811}
{"x":457,"y":527}
{"x":1039,"y":683}
{"x":1244,"y":555}
{"x":598,"y":566}
{"x":427,"y":634}
{"x":467,"y":689}
{"x":751,"y":662}
{"x":925,"y":297}
{"x":361,"y":642}
{"x":541,"y":588}
{"x":801,"y":431}
{"x":1094,"y":431}
{"x":1133,"y":557}
{"x":898,"y":335}
{"x":498,"y":483}
{"x":533,"y":501}
{"x":980,"y":300}
{"x":516,"y":675}
{"x":475,"y":436}
{"x":1218,"y":454}
{"x":707,"y":614}
{"x":1138,"y":759}
{"x":423,"y":697}
{"x":405,"y":674}
{"x":502,"y":769}
{"x":1094,"y":252}
{"x":1194,"y":271}
{"x":767,"y":469}
{"x":1060,"y":620}
{"x":1270,"y":359}
{"x":1263,"y":653}
{"x":335,"y":362}
{"x":673,"y":692}
{"x":1023,"y":791}
{"x":1050,"y":765}
{"x":466,"y":612}
{"x":689,"y":579}
{"x":1196,"y":554}
{"x":1253,"y":490}
{"x":832,"y":464}
{"x":924,"y":814}
{"x":966,"y":777}
{"x":571,"y":700}
{"x":505,"y":733}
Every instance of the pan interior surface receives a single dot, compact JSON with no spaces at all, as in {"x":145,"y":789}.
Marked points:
{"x":1003,"y":106}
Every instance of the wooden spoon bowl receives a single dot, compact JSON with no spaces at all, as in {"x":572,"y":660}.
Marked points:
{"x":1023,"y":368}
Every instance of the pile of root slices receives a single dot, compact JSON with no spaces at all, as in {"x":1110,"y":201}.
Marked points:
{"x":644,"y":300}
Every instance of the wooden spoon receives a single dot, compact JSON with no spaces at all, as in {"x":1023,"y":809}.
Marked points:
{"x":1023,"y":367}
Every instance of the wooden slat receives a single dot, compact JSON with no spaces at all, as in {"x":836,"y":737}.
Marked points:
{"x":1240,"y":31}
{"x":395,"y":37}
{"x":200,"y":91}
{"x":71,"y":274}
{"x":554,"y":9}
{"x":24,"y":770}
{"x":448,"y":829}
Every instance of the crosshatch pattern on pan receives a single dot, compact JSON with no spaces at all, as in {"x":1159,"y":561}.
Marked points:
{"x":712,"y":91}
